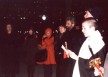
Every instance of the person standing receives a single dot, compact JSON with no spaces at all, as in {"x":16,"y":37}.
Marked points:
{"x":48,"y":45}
{"x":73,"y":40}
{"x":91,"y":48}
{"x":30,"y":47}
{"x":60,"y":39}
{"x":95,"y":14}
{"x":9,"y":52}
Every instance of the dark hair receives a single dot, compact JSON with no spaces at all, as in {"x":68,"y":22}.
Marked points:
{"x":9,"y":24}
{"x":31,"y":28}
{"x":72,"y":19}
{"x":93,"y":21}
{"x":62,"y":26}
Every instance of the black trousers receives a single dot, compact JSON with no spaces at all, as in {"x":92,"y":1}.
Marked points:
{"x":69,"y":65}
{"x":30,"y":70}
{"x":48,"y":70}
{"x":60,"y":70}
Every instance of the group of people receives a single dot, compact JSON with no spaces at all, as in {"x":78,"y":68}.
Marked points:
{"x":74,"y":61}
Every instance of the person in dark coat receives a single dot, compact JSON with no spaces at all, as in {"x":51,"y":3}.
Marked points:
{"x":30,"y":46}
{"x":74,"y":39}
{"x":59,"y":53}
{"x":9,"y":52}
{"x":91,"y":50}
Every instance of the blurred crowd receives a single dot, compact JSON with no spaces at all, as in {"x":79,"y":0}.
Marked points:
{"x":15,"y":48}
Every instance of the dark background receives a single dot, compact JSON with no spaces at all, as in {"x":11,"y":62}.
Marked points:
{"x":25,"y":13}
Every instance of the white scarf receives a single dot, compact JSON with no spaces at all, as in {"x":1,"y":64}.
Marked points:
{"x":96,"y":43}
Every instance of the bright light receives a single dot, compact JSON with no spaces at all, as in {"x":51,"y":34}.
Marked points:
{"x":21,"y":18}
{"x":43,"y":17}
{"x":24,"y":18}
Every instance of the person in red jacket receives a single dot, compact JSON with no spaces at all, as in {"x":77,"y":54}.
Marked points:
{"x":48,"y":44}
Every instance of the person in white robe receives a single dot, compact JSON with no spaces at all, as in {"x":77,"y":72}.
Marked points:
{"x":94,"y":40}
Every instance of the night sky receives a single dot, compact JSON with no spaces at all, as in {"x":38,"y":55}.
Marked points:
{"x":25,"y":13}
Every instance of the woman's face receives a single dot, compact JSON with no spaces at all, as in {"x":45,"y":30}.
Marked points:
{"x":48,"y":32}
{"x":62,"y":29}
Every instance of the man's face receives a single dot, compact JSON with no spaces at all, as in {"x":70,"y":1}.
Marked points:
{"x":87,"y":14}
{"x":69,"y":24}
{"x":30,"y":31}
{"x":9,"y":27}
{"x":86,"y":29}
{"x":62,"y":29}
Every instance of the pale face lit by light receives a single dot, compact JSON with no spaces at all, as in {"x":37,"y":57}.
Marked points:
{"x":30,"y":31}
{"x":87,"y":14}
{"x":9,"y":27}
{"x":48,"y":33}
{"x":87,"y":29}
{"x":62,"y":29}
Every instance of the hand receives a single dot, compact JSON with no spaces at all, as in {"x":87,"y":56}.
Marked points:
{"x":102,"y":69}
{"x":44,"y":36}
{"x":72,"y":55}
{"x":97,"y":72}
{"x":67,"y":55}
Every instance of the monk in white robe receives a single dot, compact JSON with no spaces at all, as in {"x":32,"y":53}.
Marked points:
{"x":94,"y":40}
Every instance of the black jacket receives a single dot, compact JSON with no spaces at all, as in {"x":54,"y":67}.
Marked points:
{"x":60,"y":40}
{"x":30,"y":47}
{"x":74,"y":39}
